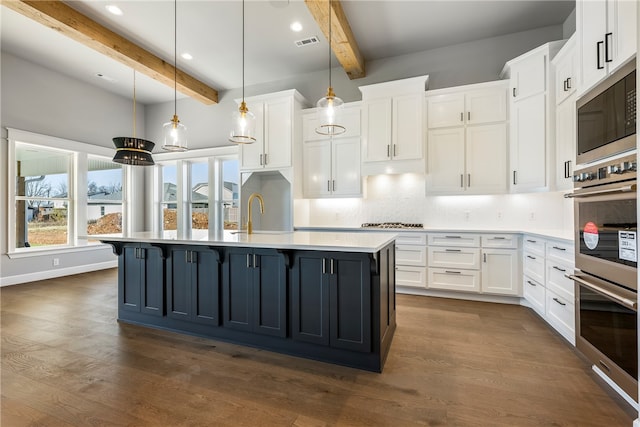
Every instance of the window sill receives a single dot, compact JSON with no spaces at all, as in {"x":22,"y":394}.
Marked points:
{"x":33,"y":252}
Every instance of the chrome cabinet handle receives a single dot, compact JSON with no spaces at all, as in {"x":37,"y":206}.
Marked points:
{"x":559,"y":302}
{"x":461,"y":116}
{"x":461,"y":180}
{"x":532,"y":241}
{"x":598,"y":45}
{"x":260,"y":159}
{"x":452,"y":272}
{"x":607,"y":39}
{"x":334,"y":185}
{"x":485,"y":257}
{"x":452,"y":250}
{"x":255,"y":264}
{"x":388,"y":150}
{"x":515,"y":180}
{"x":324,"y":266}
{"x":568,"y":82}
{"x":498,"y":238}
{"x":560,"y":249}
{"x":453,"y":237}
{"x":468,"y":115}
{"x":559,"y":269}
{"x":248,"y":261}
{"x":328,"y":185}
{"x":265,"y":159}
{"x":468,"y":180}
{"x":331,"y":265}
{"x":514,"y":92}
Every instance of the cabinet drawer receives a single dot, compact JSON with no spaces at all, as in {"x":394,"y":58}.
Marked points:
{"x":467,"y":258}
{"x":561,"y":315}
{"x":562,"y":252}
{"x":533,"y":266}
{"x":454,"y":280}
{"x":454,"y":239}
{"x":414,"y":277}
{"x":505,"y":241}
{"x":557,"y":282}
{"x":411,"y":255}
{"x":534,"y":245}
{"x":534,"y":292}
{"x":411,"y":239}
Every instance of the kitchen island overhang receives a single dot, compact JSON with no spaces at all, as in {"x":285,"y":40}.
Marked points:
{"x":317,"y":295}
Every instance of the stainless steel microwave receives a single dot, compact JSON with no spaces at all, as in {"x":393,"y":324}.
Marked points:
{"x":607,"y":117}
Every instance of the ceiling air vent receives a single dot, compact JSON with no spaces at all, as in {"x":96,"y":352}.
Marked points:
{"x":308,"y":41}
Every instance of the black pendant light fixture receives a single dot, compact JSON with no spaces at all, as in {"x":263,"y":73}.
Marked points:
{"x":244,"y":122}
{"x":175,"y":133}
{"x":329,"y":105}
{"x":131,"y":150}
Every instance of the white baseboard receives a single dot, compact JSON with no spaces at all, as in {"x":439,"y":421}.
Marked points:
{"x":58,"y":272}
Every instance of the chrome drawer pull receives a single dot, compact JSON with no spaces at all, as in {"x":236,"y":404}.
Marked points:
{"x":559,"y":302}
{"x":452,"y":272}
{"x":531,"y":283}
{"x":559,"y":269}
{"x":560,"y":249}
{"x":531,"y":257}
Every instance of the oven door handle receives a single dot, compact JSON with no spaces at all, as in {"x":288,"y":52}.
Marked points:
{"x":623,"y":301}
{"x":625,"y":189}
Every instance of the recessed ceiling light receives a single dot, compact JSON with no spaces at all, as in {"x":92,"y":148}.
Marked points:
{"x":112,"y":8}
{"x":187,"y":56}
{"x":296,"y":26}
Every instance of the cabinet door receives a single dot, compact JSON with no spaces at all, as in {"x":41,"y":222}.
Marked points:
{"x":350,"y":302}
{"x":485,"y":106}
{"x":528,"y":145}
{"x":528,"y":77}
{"x":591,"y":25}
{"x":486,"y":154}
{"x":500,"y":272}
{"x":237,"y":288}
{"x":565,"y":76}
{"x":205,"y":286}
{"x":269,"y":294}
{"x":252,"y":155}
{"x":346,"y":179}
{"x":152,"y":291}
{"x":310,"y":298}
{"x":446,"y":160}
{"x":377,"y":140}
{"x":317,"y":168}
{"x":565,"y":143}
{"x":129,"y":278}
{"x":445,"y":110}
{"x":622,"y":43}
{"x":407,"y":138}
{"x":278,"y":133}
{"x":179,"y":298}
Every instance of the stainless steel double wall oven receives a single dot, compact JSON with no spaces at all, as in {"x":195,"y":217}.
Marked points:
{"x":605,"y":204}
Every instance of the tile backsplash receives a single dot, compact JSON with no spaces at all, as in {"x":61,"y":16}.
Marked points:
{"x":402,"y":198}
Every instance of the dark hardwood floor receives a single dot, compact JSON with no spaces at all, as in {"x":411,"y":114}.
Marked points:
{"x":66,"y":361}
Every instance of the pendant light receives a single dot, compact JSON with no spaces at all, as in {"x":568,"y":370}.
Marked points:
{"x":244,"y":122}
{"x":330,"y":105}
{"x":131,"y":150}
{"x":175,"y":133}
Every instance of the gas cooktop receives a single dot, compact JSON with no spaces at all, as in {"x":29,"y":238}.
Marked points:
{"x":390,"y":225}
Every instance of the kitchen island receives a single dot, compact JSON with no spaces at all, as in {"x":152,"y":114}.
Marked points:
{"x":323,"y":296}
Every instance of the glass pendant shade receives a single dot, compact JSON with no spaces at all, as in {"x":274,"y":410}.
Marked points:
{"x":244,"y":126}
{"x":175,"y":135}
{"x":329,"y":109}
{"x":133,"y":151}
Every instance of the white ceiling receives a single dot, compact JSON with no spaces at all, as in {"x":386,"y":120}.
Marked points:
{"x":211,"y":32}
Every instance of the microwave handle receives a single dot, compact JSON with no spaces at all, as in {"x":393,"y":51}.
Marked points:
{"x":623,"y":301}
{"x":625,"y":189}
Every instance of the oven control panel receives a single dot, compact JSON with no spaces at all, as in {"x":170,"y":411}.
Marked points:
{"x":621,"y":169}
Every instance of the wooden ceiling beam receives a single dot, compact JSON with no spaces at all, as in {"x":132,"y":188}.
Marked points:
{"x":73,"y":24}
{"x":343,"y":42}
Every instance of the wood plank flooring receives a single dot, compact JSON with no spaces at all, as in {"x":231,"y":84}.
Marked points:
{"x":66,"y":361}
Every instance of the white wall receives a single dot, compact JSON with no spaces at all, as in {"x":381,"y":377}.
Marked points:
{"x":402,"y":198}
{"x":40,"y":100}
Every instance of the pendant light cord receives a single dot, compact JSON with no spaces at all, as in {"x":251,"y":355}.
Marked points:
{"x":329,"y":43}
{"x":242,"y":50}
{"x":175,"y":57}
{"x":134,"y":103}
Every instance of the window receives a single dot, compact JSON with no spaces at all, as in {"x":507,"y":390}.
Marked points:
{"x":42,"y":198}
{"x":195,"y":193}
{"x":61,"y":192}
{"x":104,"y":196}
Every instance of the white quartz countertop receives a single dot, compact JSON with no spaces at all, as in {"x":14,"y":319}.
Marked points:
{"x":368,"y":242}
{"x":550,"y":233}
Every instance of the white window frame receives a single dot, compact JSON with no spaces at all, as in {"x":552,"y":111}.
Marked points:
{"x":76,"y":214}
{"x":183,"y":176}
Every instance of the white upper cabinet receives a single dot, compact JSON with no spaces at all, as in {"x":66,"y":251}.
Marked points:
{"x":393,"y":136}
{"x":532,"y":124}
{"x":472,"y":107}
{"x":277,"y":126}
{"x":565,"y":66}
{"x":331,"y":165}
{"x":467,"y":139}
{"x":606,"y":38}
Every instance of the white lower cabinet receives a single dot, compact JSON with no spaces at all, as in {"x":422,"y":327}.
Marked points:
{"x":411,"y":260}
{"x":546,"y":263}
{"x":500,"y":271}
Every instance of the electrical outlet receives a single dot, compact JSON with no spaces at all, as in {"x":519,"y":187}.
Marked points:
{"x":56,"y":262}
{"x":467,"y":215}
{"x":499,"y":216}
{"x":532,"y":216}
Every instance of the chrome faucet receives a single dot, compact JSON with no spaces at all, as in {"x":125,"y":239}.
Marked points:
{"x":261,"y":200}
